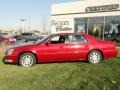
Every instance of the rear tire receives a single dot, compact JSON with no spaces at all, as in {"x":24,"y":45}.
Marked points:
{"x":27,"y":60}
{"x":94,"y":57}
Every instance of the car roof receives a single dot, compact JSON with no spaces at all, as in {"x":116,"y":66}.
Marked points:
{"x":68,"y":33}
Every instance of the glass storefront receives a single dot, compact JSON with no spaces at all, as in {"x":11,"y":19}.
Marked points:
{"x":80,"y":25}
{"x":107,"y":27}
{"x":112,"y":27}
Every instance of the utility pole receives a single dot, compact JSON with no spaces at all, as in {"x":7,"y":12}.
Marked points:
{"x":23,"y":22}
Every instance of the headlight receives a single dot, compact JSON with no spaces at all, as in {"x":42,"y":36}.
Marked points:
{"x":9,"y":51}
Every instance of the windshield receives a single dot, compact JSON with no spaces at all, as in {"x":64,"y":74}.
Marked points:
{"x":43,"y":39}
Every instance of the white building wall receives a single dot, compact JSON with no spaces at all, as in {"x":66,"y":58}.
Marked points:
{"x":70,"y":11}
{"x":72,"y":16}
{"x":79,"y":6}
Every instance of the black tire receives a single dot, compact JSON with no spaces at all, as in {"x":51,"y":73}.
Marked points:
{"x":27,"y":60}
{"x":94,"y":57}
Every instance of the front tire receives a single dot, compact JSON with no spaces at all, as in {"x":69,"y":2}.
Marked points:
{"x":27,"y":60}
{"x":94,"y":57}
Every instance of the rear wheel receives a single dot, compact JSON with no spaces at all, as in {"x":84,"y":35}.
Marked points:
{"x":94,"y":57}
{"x":27,"y":60}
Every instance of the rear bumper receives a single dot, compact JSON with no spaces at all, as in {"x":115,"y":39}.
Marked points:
{"x":110,"y":54}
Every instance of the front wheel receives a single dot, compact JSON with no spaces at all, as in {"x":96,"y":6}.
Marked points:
{"x":94,"y":57}
{"x":27,"y":60}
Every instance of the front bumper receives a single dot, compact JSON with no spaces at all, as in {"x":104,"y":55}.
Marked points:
{"x":7,"y":61}
{"x":10,"y":59}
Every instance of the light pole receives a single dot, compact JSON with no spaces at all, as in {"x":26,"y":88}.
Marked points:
{"x":28,"y":21}
{"x":29,"y":24}
{"x":23,"y":21}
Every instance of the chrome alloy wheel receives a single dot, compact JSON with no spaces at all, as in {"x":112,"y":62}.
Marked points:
{"x":27,"y":60}
{"x":95,"y":57}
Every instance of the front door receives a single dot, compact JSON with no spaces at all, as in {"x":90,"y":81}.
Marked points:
{"x":54,"y":50}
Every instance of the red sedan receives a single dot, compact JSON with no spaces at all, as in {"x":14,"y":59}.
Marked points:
{"x":61,"y":47}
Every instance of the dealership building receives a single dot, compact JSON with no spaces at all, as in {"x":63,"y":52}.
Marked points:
{"x":100,"y":18}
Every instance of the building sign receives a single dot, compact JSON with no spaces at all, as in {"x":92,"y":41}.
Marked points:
{"x":61,"y":25}
{"x":61,"y":28}
{"x":102,"y":8}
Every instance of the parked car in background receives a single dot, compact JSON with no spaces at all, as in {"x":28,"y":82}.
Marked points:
{"x":6,"y":40}
{"x":28,"y":37}
{"x":17,"y":37}
{"x":60,"y":48}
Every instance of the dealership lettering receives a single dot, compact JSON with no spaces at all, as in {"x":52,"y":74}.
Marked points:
{"x":102,"y":8}
{"x":57,"y":23}
{"x":61,"y":25}
{"x":61,"y":28}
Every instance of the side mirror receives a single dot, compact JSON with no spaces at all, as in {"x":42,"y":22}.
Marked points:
{"x":47,"y":43}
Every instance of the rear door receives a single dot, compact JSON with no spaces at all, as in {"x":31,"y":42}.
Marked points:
{"x":76,"y":47}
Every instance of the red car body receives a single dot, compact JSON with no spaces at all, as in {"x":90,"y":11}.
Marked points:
{"x":44,"y":51}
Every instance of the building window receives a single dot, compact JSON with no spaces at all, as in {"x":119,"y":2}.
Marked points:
{"x":106,"y":27}
{"x":112,"y":28}
{"x":80,"y":24}
{"x":96,"y":26}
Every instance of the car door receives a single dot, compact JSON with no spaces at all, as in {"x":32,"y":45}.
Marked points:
{"x":53,"y":50}
{"x":76,"y":47}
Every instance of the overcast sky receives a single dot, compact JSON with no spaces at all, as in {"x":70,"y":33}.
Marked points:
{"x":11,"y":11}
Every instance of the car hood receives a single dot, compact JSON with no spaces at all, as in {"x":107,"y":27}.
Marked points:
{"x":22,"y":45}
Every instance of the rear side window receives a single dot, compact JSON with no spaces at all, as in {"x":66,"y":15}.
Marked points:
{"x":75,"y":39}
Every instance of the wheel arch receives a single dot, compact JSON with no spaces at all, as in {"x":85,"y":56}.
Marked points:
{"x":27,"y":52}
{"x":96,"y":50}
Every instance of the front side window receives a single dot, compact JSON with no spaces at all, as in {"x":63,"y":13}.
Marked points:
{"x":58,"y":39}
